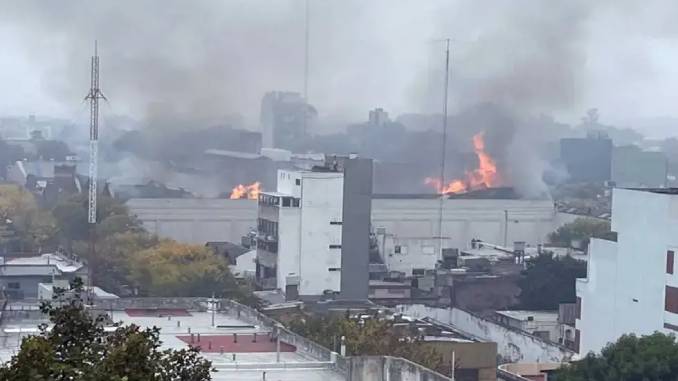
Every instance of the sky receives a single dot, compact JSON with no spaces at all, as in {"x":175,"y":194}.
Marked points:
{"x":211,"y":59}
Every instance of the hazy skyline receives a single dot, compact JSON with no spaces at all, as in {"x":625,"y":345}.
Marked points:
{"x":208,"y":59}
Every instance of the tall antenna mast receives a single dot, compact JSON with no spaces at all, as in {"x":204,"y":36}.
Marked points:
{"x":444,"y":153}
{"x":93,"y":97}
{"x":306,"y":37}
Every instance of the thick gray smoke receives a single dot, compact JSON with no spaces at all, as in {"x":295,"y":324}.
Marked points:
{"x":201,"y":62}
{"x":207,"y":59}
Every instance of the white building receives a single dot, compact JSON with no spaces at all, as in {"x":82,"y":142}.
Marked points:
{"x":299,"y":233}
{"x":404,"y":254}
{"x":631,"y":286}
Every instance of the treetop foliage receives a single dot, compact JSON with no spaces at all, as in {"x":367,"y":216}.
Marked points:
{"x":631,"y":358}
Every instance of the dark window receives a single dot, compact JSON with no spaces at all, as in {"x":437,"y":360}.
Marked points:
{"x":334,"y":269}
{"x":578,"y":308}
{"x":671,"y":300}
{"x":669,"y":262}
{"x":577,"y":340}
{"x":671,"y":327}
{"x":297,"y":181}
{"x":397,"y":249}
{"x":14,"y":285}
{"x":335,"y":246}
{"x":335,"y":222}
{"x":287,"y":201}
{"x":295,"y":202}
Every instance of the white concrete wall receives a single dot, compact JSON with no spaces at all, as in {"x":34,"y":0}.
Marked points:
{"x":196,"y":220}
{"x":287,"y":182}
{"x":512,"y":345}
{"x":289,"y":225}
{"x":202,"y":220}
{"x":463,"y":220}
{"x":625,"y":289}
{"x":321,"y":200}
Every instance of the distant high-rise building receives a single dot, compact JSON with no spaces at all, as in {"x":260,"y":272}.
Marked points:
{"x":587,"y":159}
{"x":285,"y":119}
{"x":378,"y":117}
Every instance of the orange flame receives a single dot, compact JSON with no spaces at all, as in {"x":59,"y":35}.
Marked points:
{"x":484,"y":176}
{"x":250,"y":191}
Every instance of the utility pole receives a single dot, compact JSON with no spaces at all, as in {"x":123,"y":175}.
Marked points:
{"x":93,"y":97}
{"x":444,"y":148}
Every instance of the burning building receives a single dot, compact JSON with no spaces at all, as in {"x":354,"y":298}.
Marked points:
{"x":485,"y":175}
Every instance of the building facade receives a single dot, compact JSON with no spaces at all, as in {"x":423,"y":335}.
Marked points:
{"x":284,"y":118}
{"x":299,"y":233}
{"x":631,"y":285}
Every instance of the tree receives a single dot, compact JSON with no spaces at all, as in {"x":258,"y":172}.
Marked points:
{"x":631,"y":358}
{"x":549,"y":281}
{"x":77,"y":348}
{"x":112,"y":216}
{"x":582,"y":229}
{"x":175,"y":269}
{"x":35,"y":227}
{"x":376,"y":337}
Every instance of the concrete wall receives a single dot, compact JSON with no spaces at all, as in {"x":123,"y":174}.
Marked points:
{"x":196,"y":220}
{"x":321,"y":203}
{"x":464,"y":219}
{"x":202,"y":220}
{"x":512,"y":344}
{"x":355,"y":231}
{"x":386,"y":368}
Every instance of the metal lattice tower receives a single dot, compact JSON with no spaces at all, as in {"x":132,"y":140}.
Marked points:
{"x":93,"y":97}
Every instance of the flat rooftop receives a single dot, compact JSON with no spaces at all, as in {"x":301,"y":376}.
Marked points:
{"x":230,"y":343}
{"x":536,"y":315}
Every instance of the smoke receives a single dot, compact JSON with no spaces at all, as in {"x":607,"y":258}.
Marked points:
{"x":180,"y":64}
{"x":207,"y":59}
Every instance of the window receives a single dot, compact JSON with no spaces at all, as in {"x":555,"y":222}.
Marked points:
{"x":13,"y":285}
{"x":335,"y":223}
{"x":334,"y":269}
{"x":297,"y":181}
{"x":287,"y":201}
{"x":295,"y":202}
{"x":335,"y":246}
{"x":397,"y":249}
{"x":671,"y":300}
{"x":669,"y":262}
{"x":578,"y":308}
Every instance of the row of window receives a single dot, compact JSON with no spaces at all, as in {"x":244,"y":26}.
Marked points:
{"x":287,"y":201}
{"x":267,"y":227}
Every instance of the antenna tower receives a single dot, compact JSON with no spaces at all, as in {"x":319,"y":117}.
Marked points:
{"x":444,"y":148}
{"x":93,"y":97}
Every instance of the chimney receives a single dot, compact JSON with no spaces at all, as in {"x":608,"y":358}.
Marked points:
{"x":355,"y":232}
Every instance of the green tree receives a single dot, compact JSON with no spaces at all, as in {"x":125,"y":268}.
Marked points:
{"x":377,"y":337}
{"x":77,"y":348}
{"x":35,"y":227}
{"x":175,"y":269}
{"x":631,"y":358}
{"x":112,"y":217}
{"x":549,"y":281}
{"x":582,"y":229}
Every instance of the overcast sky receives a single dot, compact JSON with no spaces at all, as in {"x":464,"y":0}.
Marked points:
{"x":214,"y":58}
